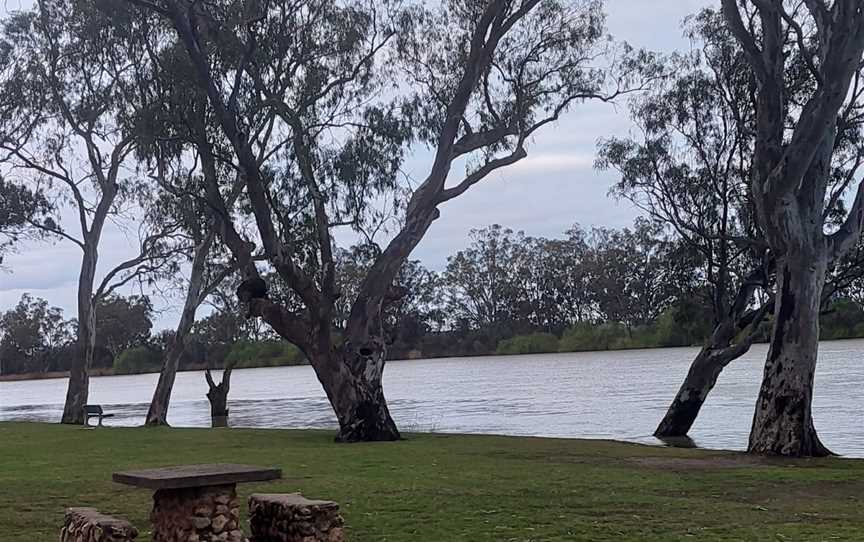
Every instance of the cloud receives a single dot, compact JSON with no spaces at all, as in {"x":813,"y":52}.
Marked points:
{"x":547,"y":162}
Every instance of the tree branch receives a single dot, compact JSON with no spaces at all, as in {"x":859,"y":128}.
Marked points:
{"x":446,"y":195}
{"x":733,"y":18}
{"x":849,"y":233}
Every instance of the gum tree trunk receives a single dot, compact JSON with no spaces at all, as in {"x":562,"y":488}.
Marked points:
{"x":79,"y":373}
{"x":783,"y":422}
{"x":721,"y":350}
{"x":158,"y":412}
{"x":698,"y":383}
{"x":700,"y":380}
{"x":730,"y":339}
{"x":357,"y":396}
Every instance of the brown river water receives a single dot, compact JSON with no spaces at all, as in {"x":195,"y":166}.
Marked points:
{"x":614,"y":395}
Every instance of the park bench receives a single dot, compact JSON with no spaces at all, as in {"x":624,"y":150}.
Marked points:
{"x":94,"y":411}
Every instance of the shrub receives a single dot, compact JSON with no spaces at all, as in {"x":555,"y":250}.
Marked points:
{"x":138,"y":360}
{"x":587,"y":337}
{"x":535,"y":343}
{"x":268,"y":353}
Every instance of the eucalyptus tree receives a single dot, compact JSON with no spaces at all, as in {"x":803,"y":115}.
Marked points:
{"x":688,"y":168}
{"x":418,"y":309}
{"x":801,"y":127}
{"x":634,"y":273}
{"x":61,"y":136}
{"x":554,"y":282}
{"x":485,"y":76}
{"x":484,"y":281}
{"x":31,"y":334}
{"x":207,"y":270}
{"x":22,"y":214}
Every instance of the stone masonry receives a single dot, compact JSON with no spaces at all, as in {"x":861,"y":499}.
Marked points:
{"x":88,"y":525}
{"x":197,"y":514}
{"x":294,"y":518}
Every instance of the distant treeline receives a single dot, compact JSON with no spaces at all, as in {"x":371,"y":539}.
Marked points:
{"x":505,"y":294}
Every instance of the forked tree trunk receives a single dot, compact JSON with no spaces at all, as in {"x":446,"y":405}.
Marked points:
{"x":721,"y":350}
{"x":158,"y":412}
{"x":731,"y":338}
{"x":783,"y":422}
{"x":79,"y":373}
{"x":218,"y":397}
{"x":354,"y":387}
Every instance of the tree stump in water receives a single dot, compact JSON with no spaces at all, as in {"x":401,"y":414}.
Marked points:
{"x":218,"y":397}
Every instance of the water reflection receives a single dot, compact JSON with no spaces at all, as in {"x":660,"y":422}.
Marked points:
{"x":619,"y":395}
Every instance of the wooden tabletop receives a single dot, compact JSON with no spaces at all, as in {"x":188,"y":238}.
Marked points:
{"x":196,"y":476}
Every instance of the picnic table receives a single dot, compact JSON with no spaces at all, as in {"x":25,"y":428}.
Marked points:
{"x":196,"y":502}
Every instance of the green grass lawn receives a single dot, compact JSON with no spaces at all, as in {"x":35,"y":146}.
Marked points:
{"x":447,"y":487}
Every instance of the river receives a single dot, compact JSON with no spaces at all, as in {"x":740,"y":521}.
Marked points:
{"x":616,"y":395}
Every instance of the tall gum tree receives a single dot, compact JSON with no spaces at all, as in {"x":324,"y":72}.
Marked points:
{"x":484,"y":77}
{"x":688,"y":169}
{"x":61,"y":136}
{"x":796,"y":135}
{"x":205,"y":275}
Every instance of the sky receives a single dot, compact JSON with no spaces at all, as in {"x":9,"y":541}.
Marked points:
{"x":555,"y":187}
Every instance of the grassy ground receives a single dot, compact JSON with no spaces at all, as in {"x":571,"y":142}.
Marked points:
{"x":445,"y":488}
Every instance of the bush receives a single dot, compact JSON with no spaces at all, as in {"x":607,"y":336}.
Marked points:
{"x":842,"y":321}
{"x":138,"y":360}
{"x":585,"y":337}
{"x":246,"y":354}
{"x":637,"y":337}
{"x":535,"y":343}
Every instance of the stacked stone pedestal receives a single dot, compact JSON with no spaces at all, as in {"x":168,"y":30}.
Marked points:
{"x":294,"y":518}
{"x":197,"y":514}
{"x":88,"y":525}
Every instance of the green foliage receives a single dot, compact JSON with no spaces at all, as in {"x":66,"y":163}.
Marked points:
{"x":140,"y":359}
{"x":123,"y":322}
{"x":586,"y":337}
{"x":269,"y":353}
{"x":20,"y":209}
{"x":844,"y":319}
{"x":534,"y":343}
{"x":685,"y":324}
{"x":34,"y":337}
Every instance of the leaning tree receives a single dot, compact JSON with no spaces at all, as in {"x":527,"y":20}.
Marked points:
{"x":484,"y":77}
{"x":687,"y":168}
{"x":61,"y":136}
{"x":690,"y":168}
{"x":800,"y":123}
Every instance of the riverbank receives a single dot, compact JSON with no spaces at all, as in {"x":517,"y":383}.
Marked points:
{"x":51,"y":375}
{"x":448,"y":487}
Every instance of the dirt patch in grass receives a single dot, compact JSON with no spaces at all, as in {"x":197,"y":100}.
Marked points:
{"x":698,"y":463}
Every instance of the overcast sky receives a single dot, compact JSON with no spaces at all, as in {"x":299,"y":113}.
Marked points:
{"x":555,"y":187}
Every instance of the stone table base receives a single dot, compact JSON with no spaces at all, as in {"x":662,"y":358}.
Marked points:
{"x":294,"y":518}
{"x":197,"y":514}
